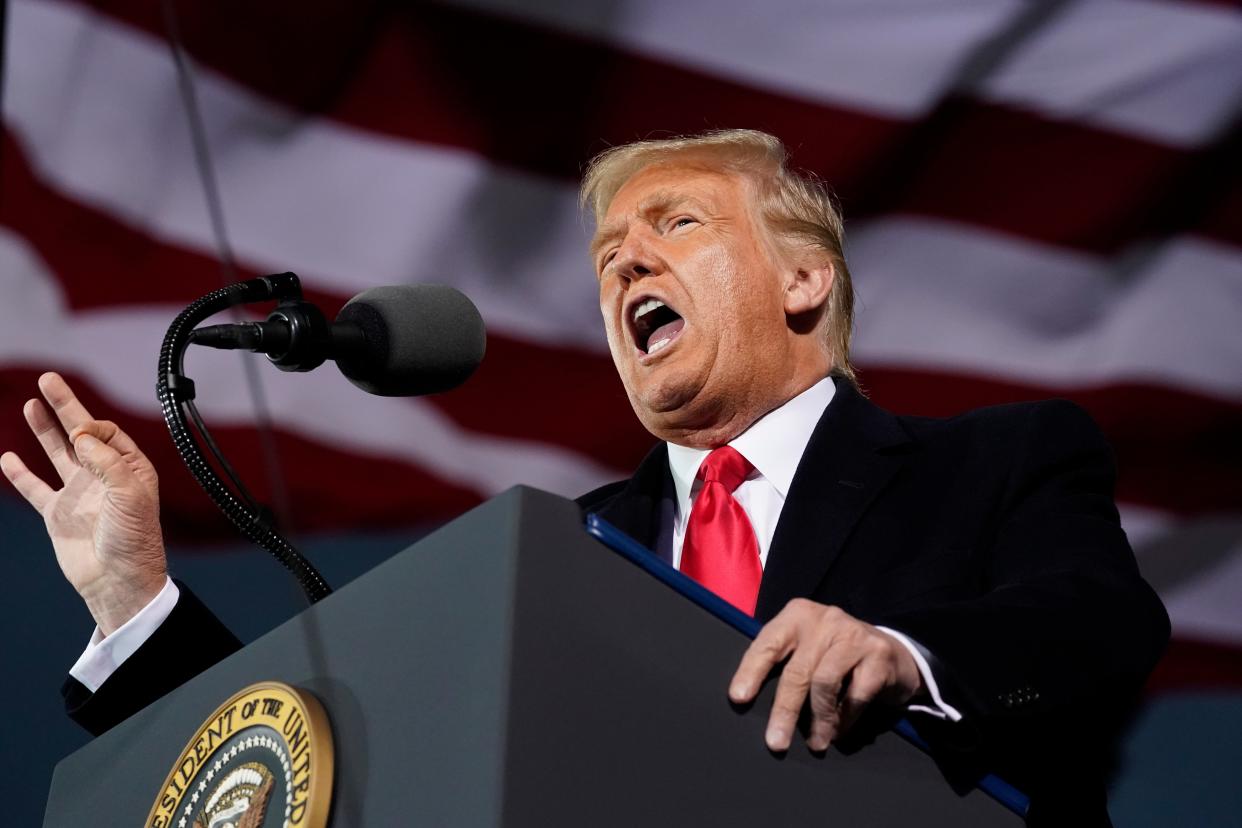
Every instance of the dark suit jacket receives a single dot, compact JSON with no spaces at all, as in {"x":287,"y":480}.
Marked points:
{"x":990,"y":538}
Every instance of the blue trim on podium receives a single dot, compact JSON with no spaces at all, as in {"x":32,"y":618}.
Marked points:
{"x":636,"y":553}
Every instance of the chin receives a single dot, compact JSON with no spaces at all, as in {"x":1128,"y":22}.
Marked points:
{"x":673,"y":403}
{"x":661,"y":407}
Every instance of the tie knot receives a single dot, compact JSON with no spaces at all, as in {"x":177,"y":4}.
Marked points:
{"x":725,"y":466}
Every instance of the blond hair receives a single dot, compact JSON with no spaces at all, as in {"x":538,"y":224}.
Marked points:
{"x":796,"y":205}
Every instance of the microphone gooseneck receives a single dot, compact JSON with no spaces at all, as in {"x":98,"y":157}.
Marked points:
{"x":175,"y":392}
{"x":392,"y":341}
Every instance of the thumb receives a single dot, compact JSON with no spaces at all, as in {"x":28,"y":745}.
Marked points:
{"x":104,"y":461}
{"x":107,"y":432}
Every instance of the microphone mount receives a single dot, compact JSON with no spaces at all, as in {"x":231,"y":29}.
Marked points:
{"x":176,"y":393}
{"x":295,"y":337}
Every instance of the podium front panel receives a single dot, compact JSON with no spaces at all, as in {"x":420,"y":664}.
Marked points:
{"x":509,"y":670}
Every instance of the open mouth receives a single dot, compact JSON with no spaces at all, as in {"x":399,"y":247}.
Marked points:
{"x":655,"y":325}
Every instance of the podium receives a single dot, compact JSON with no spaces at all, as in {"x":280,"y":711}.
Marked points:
{"x":511,"y":670}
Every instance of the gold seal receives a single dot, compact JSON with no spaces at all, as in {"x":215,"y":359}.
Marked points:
{"x":267,"y":749}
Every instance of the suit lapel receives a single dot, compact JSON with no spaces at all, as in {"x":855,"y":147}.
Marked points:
{"x":637,"y":509}
{"x":847,"y":462}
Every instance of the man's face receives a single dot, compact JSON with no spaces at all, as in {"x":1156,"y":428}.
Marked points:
{"x":691,"y":290}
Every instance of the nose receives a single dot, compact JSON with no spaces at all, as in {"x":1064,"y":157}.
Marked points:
{"x":637,"y":258}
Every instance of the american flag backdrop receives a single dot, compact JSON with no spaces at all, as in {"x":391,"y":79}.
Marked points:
{"x":1042,"y":199}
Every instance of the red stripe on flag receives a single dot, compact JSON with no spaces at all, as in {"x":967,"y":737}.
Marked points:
{"x":1191,"y":664}
{"x":1176,"y":450}
{"x":1223,"y":218}
{"x":329,"y":489}
{"x":552,"y":395}
{"x":1229,"y":4}
{"x":336,"y":489}
{"x":1055,"y":182}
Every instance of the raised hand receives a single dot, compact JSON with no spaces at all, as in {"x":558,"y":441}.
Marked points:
{"x":104,"y":519}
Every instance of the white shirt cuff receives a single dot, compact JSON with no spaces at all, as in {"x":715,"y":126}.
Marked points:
{"x":104,"y":654}
{"x":941,"y":709}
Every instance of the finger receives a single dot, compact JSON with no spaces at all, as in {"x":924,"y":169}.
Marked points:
{"x":866,"y":682}
{"x":108,"y":432}
{"x":69,"y":410}
{"x":28,"y":485}
{"x":791,"y":695}
{"x":51,"y":437}
{"x":771,"y":646}
{"x":828,"y":684}
{"x":104,"y":461}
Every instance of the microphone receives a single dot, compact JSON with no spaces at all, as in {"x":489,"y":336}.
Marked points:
{"x":397,"y":341}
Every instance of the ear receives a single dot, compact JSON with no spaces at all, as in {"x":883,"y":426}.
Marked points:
{"x":807,"y":288}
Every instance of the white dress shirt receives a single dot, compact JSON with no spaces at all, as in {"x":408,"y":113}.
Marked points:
{"x":104,"y":654}
{"x":774,"y":446}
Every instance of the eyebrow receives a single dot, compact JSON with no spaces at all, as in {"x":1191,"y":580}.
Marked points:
{"x":606,"y":235}
{"x":661,"y":201}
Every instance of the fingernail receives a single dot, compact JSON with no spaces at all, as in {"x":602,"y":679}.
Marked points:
{"x":85,"y":442}
{"x":777,"y":738}
{"x":739,"y":692}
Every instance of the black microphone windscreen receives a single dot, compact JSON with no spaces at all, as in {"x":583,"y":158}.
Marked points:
{"x":420,"y":339}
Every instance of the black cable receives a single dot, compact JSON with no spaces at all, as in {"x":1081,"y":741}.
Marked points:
{"x":4,"y":53}
{"x":228,"y":276}
{"x":191,"y":410}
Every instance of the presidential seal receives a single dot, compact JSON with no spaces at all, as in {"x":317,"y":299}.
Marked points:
{"x":262,"y":760}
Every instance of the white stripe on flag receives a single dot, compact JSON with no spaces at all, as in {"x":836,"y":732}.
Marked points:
{"x":1206,"y":606}
{"x":1196,"y":566}
{"x":1169,"y":72}
{"x":936,"y":295}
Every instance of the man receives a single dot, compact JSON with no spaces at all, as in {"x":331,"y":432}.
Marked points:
{"x":970,"y":571}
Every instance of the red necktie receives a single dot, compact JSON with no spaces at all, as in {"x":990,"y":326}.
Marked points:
{"x":720,"y":550}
